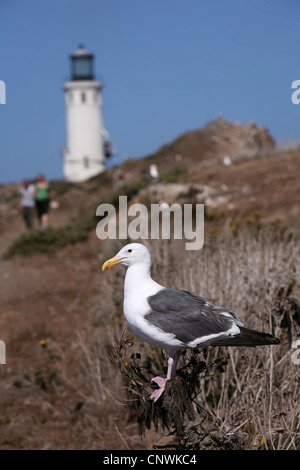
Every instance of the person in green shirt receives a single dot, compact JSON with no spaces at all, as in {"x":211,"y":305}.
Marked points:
{"x":43,"y":196}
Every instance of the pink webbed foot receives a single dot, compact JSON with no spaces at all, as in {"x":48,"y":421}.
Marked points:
{"x":161,"y":382}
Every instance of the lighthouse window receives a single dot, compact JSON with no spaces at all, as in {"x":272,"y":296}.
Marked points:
{"x":83,"y":97}
{"x":70,"y":96}
{"x":86,"y":162}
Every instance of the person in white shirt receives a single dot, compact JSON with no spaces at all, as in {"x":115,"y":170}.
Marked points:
{"x":27,"y":203}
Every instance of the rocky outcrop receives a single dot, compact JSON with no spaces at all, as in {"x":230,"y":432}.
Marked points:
{"x":237,"y":140}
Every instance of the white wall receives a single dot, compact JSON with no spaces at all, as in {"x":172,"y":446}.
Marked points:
{"x":84,"y":155}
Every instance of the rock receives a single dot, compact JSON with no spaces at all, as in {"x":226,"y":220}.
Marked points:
{"x":236,"y":141}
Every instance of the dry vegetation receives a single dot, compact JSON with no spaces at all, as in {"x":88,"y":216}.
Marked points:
{"x":228,"y":398}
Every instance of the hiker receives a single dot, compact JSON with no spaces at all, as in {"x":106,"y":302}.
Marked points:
{"x":26,"y":202}
{"x":43,"y":195}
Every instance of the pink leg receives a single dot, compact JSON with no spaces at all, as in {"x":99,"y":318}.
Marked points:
{"x":161,"y":380}
{"x":177,"y":357}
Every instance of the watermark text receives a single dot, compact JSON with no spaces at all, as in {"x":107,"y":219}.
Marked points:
{"x":2,"y":92}
{"x":182,"y":221}
{"x":296,"y":94}
{"x":2,"y":352}
{"x":296,"y":354}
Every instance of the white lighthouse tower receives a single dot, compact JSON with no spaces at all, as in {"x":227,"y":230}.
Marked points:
{"x":84,"y":155}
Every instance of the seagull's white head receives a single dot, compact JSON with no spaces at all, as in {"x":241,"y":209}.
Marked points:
{"x":129,"y":255}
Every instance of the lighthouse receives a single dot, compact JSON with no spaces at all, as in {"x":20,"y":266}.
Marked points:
{"x":84,"y":154}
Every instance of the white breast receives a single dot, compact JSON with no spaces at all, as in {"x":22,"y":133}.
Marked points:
{"x":137,"y":288}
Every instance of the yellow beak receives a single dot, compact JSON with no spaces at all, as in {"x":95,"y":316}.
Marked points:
{"x":111,"y":262}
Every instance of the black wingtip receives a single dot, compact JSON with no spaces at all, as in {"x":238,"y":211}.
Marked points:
{"x":247,"y":337}
{"x":270,"y":338}
{"x":275,"y":340}
{"x":264,"y":338}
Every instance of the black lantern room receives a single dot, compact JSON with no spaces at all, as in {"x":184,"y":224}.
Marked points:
{"x":82,"y":64}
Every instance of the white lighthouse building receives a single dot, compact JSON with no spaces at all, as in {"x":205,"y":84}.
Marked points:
{"x":84,"y":155}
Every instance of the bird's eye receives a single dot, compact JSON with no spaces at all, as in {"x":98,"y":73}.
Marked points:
{"x":130,"y":250}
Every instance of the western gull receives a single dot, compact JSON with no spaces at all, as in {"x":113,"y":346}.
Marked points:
{"x":174,"y":319}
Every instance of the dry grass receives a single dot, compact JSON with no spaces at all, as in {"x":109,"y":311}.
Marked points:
{"x":251,"y":400}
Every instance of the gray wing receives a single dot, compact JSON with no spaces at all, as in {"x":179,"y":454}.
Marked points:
{"x":188,"y":316}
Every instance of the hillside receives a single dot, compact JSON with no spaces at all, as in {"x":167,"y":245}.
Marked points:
{"x":59,"y":387}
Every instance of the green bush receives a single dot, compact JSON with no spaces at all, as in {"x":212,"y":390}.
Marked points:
{"x":46,"y":241}
{"x":173,"y":175}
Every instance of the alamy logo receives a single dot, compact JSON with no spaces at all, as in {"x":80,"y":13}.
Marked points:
{"x":2,"y":92}
{"x":296,"y":354}
{"x":2,"y":352}
{"x":152,"y":222}
{"x":296,"y":94}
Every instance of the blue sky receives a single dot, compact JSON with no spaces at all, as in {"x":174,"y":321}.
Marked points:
{"x":168,"y":66}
